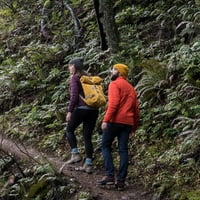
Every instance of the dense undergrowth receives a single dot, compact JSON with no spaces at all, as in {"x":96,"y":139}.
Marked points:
{"x":160,"y":42}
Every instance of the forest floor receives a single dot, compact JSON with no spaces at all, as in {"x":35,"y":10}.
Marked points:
{"x":86,"y":182}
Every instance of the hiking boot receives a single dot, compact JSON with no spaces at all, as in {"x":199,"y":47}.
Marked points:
{"x":74,"y":159}
{"x":85,"y":168}
{"x":106,"y":180}
{"x":120,"y":185}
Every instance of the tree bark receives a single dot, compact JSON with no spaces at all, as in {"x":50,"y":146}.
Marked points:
{"x":109,"y":24}
{"x":44,"y":29}
{"x":77,"y":27}
{"x":104,"y":45}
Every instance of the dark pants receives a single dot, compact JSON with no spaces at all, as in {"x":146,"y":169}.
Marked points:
{"x":121,"y":131}
{"x":88,"y":117}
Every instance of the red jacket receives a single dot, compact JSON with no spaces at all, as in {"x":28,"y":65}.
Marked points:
{"x":122,"y":105}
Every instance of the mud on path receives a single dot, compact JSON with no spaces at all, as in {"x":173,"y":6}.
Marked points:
{"x":87,"y":182}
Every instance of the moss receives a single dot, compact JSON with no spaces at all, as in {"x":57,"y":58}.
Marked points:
{"x":84,"y":196}
{"x":179,"y":194}
{"x":192,"y":195}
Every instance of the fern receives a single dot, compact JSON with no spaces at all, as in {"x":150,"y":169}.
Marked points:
{"x":153,"y":82}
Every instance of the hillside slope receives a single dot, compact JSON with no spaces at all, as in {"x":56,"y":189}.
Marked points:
{"x":159,"y":41}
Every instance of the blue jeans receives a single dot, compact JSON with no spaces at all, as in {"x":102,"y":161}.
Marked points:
{"x":121,"y":131}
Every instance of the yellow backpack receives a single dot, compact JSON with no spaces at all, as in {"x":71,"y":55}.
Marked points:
{"x":93,"y":91}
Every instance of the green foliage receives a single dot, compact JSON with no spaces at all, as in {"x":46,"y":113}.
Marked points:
{"x":160,"y":44}
{"x":47,"y":4}
{"x":38,"y":182}
{"x":152,"y":83}
{"x":84,"y":196}
{"x":191,"y":195}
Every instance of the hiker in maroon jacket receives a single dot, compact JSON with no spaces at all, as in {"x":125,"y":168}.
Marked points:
{"x":79,"y":113}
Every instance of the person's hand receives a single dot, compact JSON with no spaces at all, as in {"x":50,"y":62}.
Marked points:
{"x":104,"y":125}
{"x":68,"y":116}
{"x":132,"y":134}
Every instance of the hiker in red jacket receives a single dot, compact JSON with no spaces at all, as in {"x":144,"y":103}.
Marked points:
{"x":120,"y":120}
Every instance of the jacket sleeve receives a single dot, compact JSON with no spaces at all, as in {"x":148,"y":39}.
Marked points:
{"x":74,"y":93}
{"x":113,"y":102}
{"x":136,"y":115}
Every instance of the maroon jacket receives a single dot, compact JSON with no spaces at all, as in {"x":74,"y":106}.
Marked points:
{"x":76,"y":90}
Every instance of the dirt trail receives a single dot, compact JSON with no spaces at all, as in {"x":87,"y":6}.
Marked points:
{"x":86,"y":181}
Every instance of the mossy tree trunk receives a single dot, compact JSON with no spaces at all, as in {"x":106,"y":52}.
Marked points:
{"x":104,"y":45}
{"x":107,"y":26}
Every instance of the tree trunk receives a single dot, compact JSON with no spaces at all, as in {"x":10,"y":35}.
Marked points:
{"x":104,"y":45}
{"x":45,"y":18}
{"x":109,"y":35}
{"x":77,"y":27}
{"x":109,"y":24}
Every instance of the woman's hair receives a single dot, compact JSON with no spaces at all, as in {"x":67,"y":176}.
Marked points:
{"x":78,"y":63}
{"x":79,"y":66}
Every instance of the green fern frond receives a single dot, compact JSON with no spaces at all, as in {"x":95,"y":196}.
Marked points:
{"x":153,"y":81}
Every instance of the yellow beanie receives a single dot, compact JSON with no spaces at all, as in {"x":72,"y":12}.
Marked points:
{"x":123,"y":69}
